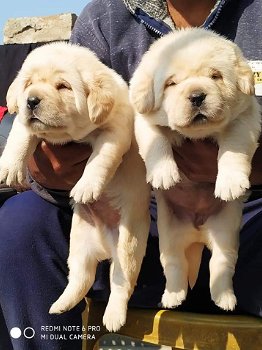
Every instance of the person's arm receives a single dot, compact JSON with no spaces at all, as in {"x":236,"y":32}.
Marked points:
{"x":256,"y":173}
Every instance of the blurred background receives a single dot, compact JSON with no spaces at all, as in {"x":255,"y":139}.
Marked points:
{"x":31,"y":8}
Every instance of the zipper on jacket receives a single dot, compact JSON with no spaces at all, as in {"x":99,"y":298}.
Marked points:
{"x":156,"y":31}
{"x":151,"y":23}
{"x":217,"y":13}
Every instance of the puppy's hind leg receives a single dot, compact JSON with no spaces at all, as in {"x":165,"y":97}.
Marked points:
{"x":86,"y":249}
{"x":223,"y":232}
{"x":126,"y":263}
{"x":172,"y":243}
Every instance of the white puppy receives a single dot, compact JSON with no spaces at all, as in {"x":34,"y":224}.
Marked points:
{"x":64,"y":93}
{"x":196,"y":84}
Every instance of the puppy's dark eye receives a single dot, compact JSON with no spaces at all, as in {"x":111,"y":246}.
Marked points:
{"x":28,"y":83}
{"x":170,"y":82}
{"x":63,"y":85}
{"x":215,"y":75}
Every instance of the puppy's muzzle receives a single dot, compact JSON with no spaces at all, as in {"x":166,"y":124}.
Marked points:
{"x":33,"y":102}
{"x":197,"y":98}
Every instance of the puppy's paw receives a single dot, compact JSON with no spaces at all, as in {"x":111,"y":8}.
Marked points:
{"x":173,"y":299}
{"x":12,"y":173}
{"x":86,"y":191}
{"x":226,"y":300}
{"x":114,"y":317}
{"x":164,"y":175}
{"x":231,"y":185}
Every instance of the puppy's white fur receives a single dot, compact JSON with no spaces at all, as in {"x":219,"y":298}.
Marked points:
{"x":82,"y":100}
{"x":165,"y":91}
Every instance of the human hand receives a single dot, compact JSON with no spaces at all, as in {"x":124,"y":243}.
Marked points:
{"x":197,"y":160}
{"x":59,"y":166}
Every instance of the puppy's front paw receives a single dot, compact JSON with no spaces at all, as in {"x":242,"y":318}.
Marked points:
{"x":114,"y":317}
{"x":12,"y":173}
{"x":173,"y":299}
{"x":164,"y":175}
{"x":225,"y":300}
{"x":231,"y":185}
{"x":86,"y":191}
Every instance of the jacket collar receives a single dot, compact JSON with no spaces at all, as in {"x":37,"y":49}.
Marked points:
{"x":154,"y":8}
{"x":151,"y":12}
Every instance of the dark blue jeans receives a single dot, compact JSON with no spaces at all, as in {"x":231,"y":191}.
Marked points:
{"x":34,"y":239}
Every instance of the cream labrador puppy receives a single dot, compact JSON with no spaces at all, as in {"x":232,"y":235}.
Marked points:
{"x":196,"y":84}
{"x":64,"y":93}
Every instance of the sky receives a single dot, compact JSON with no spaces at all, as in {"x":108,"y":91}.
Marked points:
{"x":30,"y":8}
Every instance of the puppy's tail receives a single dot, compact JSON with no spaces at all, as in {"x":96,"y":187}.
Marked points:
{"x":194,"y":255}
{"x":75,"y":291}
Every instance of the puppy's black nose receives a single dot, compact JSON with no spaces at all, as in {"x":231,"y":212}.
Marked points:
{"x":33,"y":102}
{"x":197,"y":98}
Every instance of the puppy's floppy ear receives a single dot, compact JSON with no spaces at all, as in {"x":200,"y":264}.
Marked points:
{"x":11,"y":97}
{"x":245,"y":76}
{"x":148,"y":81}
{"x":142,"y":93}
{"x":147,"y":87}
{"x":101,"y":97}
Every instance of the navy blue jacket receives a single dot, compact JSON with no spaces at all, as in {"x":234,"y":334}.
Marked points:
{"x":120,"y":34}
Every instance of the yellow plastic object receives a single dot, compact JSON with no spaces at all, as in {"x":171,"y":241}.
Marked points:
{"x":183,"y":330}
